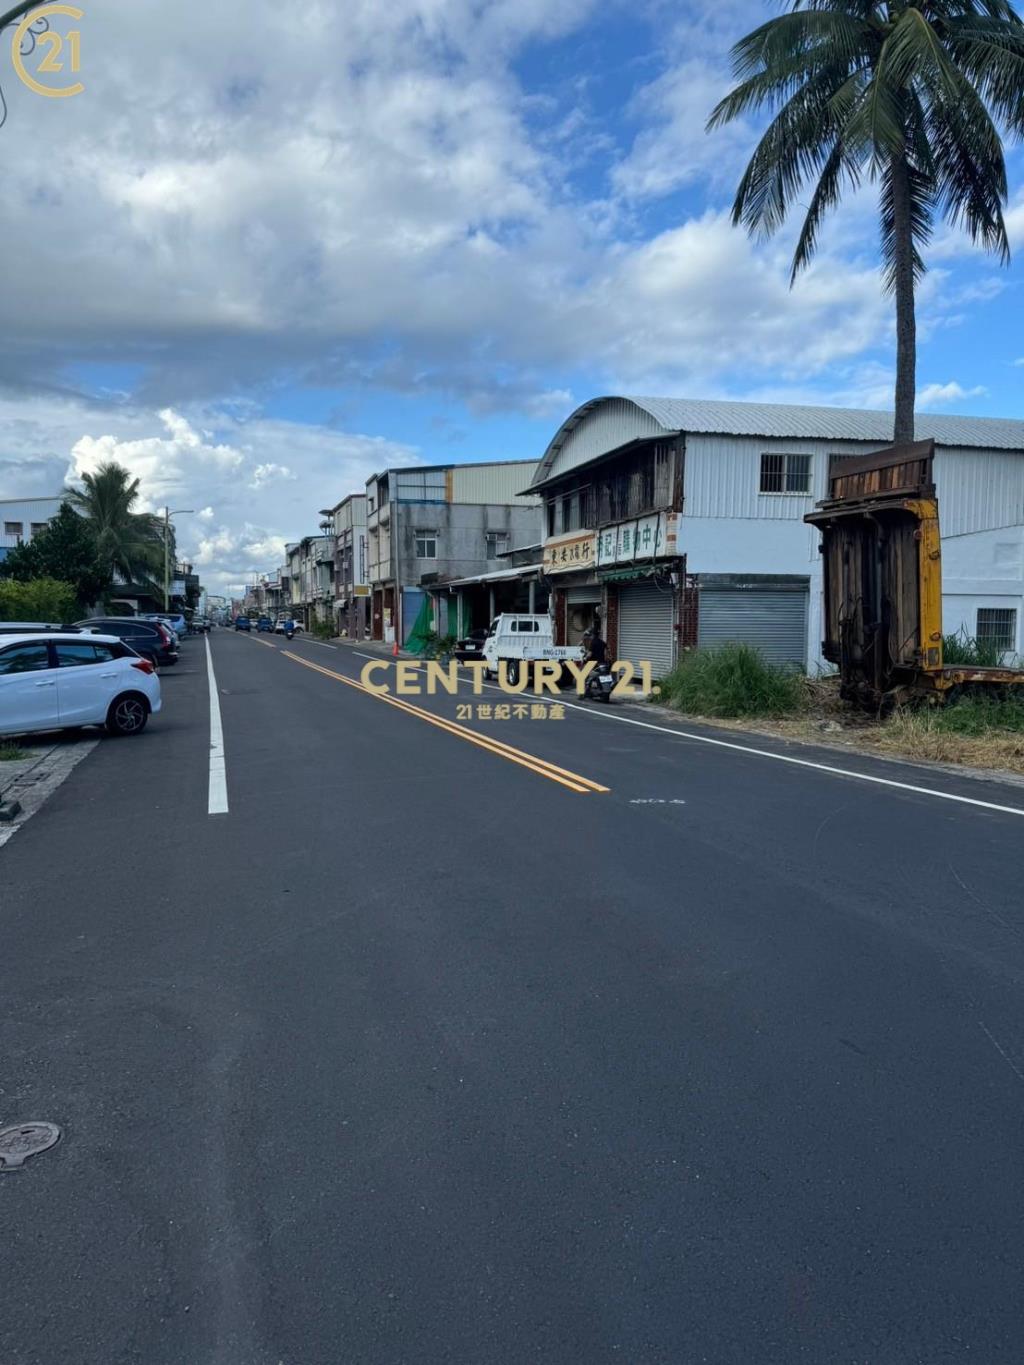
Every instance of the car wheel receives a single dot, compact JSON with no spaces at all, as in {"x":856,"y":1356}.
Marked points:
{"x":127,"y":715}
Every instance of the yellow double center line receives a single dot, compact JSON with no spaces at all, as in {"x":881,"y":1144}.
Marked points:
{"x":541,"y":766}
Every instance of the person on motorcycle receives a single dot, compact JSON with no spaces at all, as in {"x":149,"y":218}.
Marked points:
{"x":597,"y":650}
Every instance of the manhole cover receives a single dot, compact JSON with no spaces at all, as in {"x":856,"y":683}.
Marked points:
{"x":17,"y":1144}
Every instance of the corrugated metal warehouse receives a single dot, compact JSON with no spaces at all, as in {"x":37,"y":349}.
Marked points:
{"x":674,"y":522}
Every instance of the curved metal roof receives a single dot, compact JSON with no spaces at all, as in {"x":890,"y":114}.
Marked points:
{"x":774,"y":420}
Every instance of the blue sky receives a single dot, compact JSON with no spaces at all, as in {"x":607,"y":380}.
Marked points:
{"x":257,"y":263}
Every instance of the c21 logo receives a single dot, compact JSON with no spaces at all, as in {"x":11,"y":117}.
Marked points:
{"x":62,"y":52}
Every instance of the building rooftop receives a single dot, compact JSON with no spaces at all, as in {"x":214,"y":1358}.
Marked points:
{"x":774,"y":420}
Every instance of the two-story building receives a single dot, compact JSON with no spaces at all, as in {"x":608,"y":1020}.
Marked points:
{"x":22,"y":518}
{"x":673,"y":523}
{"x":351,"y":568}
{"x":431,"y":524}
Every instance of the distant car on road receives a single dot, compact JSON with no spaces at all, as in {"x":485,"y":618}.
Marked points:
{"x":243,"y":623}
{"x":279,"y":628}
{"x":265,"y":623}
{"x":59,"y":680}
{"x":152,"y":639}
{"x":201,"y":625}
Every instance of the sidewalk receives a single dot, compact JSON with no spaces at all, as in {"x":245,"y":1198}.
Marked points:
{"x":373,"y":647}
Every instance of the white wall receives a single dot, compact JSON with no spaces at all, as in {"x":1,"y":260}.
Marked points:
{"x":24,"y":512}
{"x":728,"y":526}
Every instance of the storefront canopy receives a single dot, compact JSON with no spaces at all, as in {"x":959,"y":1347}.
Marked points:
{"x":523,"y":571}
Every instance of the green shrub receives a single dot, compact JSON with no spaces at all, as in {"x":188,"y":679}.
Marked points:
{"x":322,"y":630}
{"x":979,"y":715}
{"x":732,"y":680}
{"x":962,"y":648}
{"x":42,"y":599}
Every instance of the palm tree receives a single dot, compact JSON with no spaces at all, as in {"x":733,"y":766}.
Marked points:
{"x":904,"y":93}
{"x":128,"y":543}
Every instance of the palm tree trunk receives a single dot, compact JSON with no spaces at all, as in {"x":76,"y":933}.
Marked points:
{"x":906,"y":320}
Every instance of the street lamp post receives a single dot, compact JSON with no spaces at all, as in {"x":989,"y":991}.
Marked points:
{"x":178,"y":512}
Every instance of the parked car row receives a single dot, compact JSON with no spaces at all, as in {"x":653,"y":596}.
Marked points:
{"x":98,"y":671}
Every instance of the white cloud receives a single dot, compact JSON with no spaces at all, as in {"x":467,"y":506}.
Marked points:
{"x":270,"y":473}
{"x":940,"y":395}
{"x":379,"y":207}
{"x":675,"y":150}
{"x":206,"y":459}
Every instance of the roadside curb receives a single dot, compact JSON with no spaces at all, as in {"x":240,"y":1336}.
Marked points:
{"x":36,"y":783}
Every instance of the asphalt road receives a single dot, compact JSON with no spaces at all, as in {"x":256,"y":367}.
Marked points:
{"x":422,"y":1053}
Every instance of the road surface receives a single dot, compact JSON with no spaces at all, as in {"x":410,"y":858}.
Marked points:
{"x":627,"y":1047}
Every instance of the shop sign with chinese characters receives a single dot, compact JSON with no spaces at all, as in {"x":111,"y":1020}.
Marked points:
{"x":570,"y":553}
{"x":651,"y":537}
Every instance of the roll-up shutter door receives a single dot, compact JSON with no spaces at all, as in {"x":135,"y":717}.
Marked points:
{"x":646,"y":626}
{"x":583,"y":596}
{"x":773,"y":619}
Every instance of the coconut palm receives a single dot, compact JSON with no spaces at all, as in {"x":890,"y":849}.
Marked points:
{"x":909,"y":94}
{"x":128,"y":543}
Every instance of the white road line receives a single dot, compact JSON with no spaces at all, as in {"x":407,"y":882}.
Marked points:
{"x":604,"y":714}
{"x":800,"y":762}
{"x":218,"y":791}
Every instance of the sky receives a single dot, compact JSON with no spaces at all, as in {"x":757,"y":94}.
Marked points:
{"x":271,"y":249}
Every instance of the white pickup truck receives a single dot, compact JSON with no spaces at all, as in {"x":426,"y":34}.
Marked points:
{"x":522,"y":638}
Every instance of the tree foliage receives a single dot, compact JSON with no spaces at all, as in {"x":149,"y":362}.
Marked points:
{"x":65,"y":550}
{"x":128,"y":543}
{"x":43,"y":599}
{"x":908,"y":94}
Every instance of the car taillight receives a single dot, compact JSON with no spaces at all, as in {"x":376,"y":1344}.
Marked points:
{"x":144,"y":666}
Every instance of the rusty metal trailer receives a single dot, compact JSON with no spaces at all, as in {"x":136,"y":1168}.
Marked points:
{"x":882,"y":563}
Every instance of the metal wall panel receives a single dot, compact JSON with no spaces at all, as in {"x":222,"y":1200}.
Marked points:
{"x":606,"y":428}
{"x":978,"y":490}
{"x":493,"y":483}
{"x":646,"y":626}
{"x":723,"y":476}
{"x":774,"y":620}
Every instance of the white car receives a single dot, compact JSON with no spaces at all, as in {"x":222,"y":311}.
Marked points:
{"x":279,"y":628}
{"x":55,"y":680}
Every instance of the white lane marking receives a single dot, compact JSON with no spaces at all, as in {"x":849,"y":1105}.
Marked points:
{"x":217,"y":803}
{"x":656,"y":801}
{"x":603,"y":713}
{"x":800,"y":762}
{"x":322,"y":643}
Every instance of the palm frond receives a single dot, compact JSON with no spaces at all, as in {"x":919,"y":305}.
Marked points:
{"x":921,"y":220}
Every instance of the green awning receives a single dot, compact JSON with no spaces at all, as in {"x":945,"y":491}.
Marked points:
{"x":632,"y":572}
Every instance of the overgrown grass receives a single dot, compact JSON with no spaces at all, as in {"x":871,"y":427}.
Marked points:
{"x":980,"y":715}
{"x":962,"y":648}
{"x":732,"y":680}
{"x":10,"y":753}
{"x":983,"y":732}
